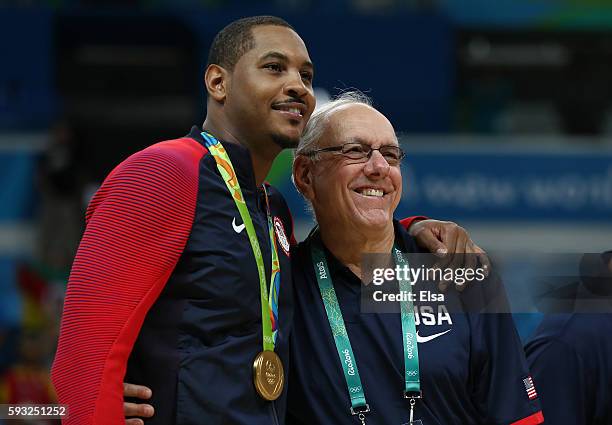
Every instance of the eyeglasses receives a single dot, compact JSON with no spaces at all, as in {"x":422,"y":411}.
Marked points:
{"x":362,"y":152}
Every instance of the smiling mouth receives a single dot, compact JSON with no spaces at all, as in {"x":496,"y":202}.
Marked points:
{"x":377,"y":193}
{"x":291,"y":110}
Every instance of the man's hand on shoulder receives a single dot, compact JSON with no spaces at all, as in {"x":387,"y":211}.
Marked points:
{"x":450,"y":242}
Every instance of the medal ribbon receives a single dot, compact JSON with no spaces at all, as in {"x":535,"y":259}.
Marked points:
{"x":336,"y":323}
{"x":269,"y":303}
{"x":411,"y":350}
{"x":343,"y":343}
{"x":275,"y":273}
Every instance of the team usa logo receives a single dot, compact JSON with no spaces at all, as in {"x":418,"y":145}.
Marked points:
{"x":281,"y":236}
{"x":530,"y":388}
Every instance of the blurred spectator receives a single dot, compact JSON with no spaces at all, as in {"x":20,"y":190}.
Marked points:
{"x":61,"y":187}
{"x":11,"y":312}
{"x":42,"y":293}
{"x":27,"y":382}
{"x":570,"y":355}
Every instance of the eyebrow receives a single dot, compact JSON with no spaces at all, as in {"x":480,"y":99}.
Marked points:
{"x":359,"y":140}
{"x":283,"y":57}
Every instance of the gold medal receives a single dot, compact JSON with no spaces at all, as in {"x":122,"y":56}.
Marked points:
{"x":268,"y":375}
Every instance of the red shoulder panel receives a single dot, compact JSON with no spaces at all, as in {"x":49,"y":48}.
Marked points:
{"x":137,"y":226}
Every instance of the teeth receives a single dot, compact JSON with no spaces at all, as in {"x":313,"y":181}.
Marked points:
{"x":372,"y":192}
{"x":292,"y":110}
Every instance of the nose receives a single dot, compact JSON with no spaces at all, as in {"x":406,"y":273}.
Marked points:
{"x":377,"y":166}
{"x":295,"y":86}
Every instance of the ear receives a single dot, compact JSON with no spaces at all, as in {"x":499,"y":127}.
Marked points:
{"x":302,"y":176}
{"x":216,"y":79}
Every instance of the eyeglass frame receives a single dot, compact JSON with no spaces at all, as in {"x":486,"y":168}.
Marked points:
{"x":339,"y":149}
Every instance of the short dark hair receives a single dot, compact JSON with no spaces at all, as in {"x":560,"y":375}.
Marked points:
{"x":236,"y":39}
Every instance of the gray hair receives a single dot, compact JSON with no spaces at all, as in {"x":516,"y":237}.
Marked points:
{"x":317,"y":123}
{"x":319,"y":119}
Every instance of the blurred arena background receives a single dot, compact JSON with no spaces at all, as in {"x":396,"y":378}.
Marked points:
{"x":504,"y":108}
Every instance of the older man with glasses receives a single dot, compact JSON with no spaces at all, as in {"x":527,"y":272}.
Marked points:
{"x":351,"y":367}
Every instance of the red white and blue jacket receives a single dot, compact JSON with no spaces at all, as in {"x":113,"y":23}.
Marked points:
{"x":164,"y":292}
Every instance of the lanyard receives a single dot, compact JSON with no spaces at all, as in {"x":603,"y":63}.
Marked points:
{"x":412,"y":376}
{"x":348,"y":361}
{"x":269,"y":304}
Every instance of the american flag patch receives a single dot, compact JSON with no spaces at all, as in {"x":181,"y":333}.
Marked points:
{"x":530,"y":388}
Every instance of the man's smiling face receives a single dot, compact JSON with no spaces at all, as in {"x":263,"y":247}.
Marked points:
{"x":361,"y":194}
{"x":270,"y":90}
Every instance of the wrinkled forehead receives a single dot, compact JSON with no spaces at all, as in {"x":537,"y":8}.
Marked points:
{"x":360,"y":124}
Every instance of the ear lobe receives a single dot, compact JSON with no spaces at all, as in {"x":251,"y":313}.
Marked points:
{"x":302,"y":177}
{"x":216,"y":80}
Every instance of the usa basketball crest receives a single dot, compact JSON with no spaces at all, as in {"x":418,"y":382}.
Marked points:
{"x":281,"y":236}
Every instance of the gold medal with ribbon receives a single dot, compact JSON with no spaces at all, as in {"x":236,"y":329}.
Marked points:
{"x":268,"y":373}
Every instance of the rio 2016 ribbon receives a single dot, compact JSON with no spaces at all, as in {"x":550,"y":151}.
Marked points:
{"x":269,"y":303}
{"x":338,"y":328}
{"x":359,"y":406}
{"x":412,"y":376}
{"x":275,"y":277}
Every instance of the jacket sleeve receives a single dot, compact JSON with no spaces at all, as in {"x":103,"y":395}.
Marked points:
{"x":562,"y":381}
{"x":409,"y":221}
{"x":138,"y":224}
{"x":504,"y":392}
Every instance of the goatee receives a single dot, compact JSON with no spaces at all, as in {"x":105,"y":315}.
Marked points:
{"x":285,"y":142}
